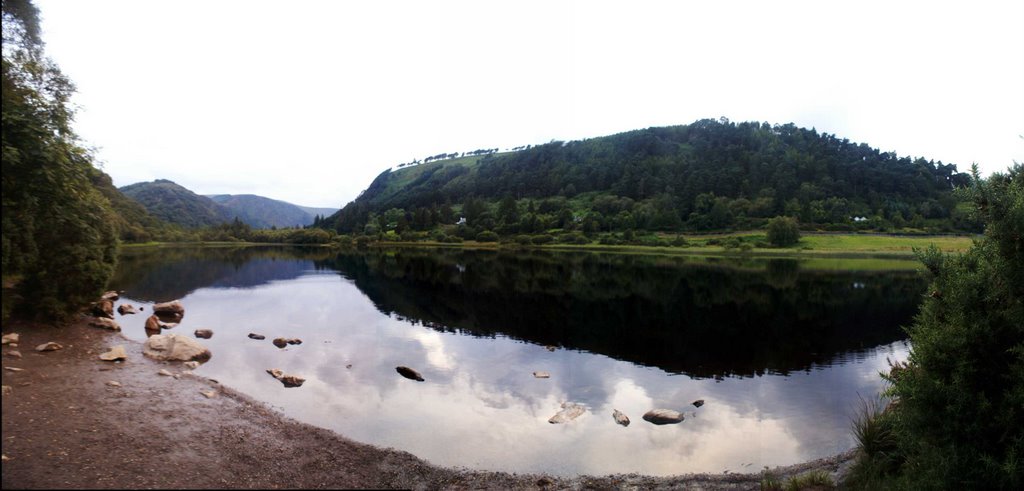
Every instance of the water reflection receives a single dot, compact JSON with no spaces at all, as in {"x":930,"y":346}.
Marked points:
{"x":641,"y":320}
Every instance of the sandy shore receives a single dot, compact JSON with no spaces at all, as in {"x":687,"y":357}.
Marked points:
{"x":66,"y":426}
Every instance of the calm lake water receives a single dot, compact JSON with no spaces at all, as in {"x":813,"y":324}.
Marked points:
{"x":779,"y":351}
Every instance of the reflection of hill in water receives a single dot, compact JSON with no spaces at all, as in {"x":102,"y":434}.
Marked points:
{"x":171,"y":273}
{"x":689,"y":317}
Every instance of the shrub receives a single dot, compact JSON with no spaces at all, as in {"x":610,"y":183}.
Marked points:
{"x":487,"y":236}
{"x":573,"y":238}
{"x":542,"y":239}
{"x":783,"y":232}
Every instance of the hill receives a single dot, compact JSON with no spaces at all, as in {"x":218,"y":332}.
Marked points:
{"x":708,"y":175}
{"x":175,"y":204}
{"x":261,"y":212}
{"x":132,"y":221}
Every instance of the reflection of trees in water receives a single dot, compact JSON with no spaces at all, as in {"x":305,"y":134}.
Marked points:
{"x":700,"y":317}
{"x":170,"y":273}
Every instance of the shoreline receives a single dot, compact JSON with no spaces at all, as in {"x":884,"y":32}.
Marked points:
{"x":65,"y":427}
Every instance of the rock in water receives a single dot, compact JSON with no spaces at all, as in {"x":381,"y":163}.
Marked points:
{"x":569,"y":412}
{"x":125,"y":309}
{"x":169,"y":311}
{"x":111,"y":295}
{"x":171,"y":347}
{"x":105,"y":323}
{"x":663,"y":416}
{"x":292,"y":380}
{"x":275,"y":372}
{"x":152,"y":324}
{"x":253,"y":335}
{"x":294,"y":341}
{"x":103,"y":308}
{"x":698,"y":402}
{"x":204,"y":333}
{"x":51,"y":346}
{"x":115,"y":353}
{"x":280,"y":342}
{"x":10,"y":338}
{"x":541,"y":375}
{"x":409,"y":373}
{"x":620,"y":417}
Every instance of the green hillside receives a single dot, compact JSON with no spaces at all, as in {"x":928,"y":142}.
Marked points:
{"x":175,"y":204}
{"x":261,"y":212}
{"x":708,"y":175}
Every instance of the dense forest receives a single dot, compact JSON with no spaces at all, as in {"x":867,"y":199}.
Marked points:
{"x":708,"y":175}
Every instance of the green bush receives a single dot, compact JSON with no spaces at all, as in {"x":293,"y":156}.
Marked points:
{"x":542,"y":239}
{"x":486,"y":236}
{"x":573,"y":238}
{"x":783,"y":232}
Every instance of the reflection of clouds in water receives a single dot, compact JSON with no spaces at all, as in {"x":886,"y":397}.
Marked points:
{"x":480,"y":405}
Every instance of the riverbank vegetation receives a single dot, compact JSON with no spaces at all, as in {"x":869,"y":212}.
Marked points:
{"x":956,"y":408}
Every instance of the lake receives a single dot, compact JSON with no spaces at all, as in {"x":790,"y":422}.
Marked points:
{"x":781,"y":351}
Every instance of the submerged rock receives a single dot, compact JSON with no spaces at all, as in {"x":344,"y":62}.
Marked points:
{"x":204,"y":333}
{"x":541,"y":375}
{"x":115,"y":353}
{"x":409,"y":373}
{"x":698,"y":402}
{"x":51,"y":346}
{"x":620,"y":417}
{"x":280,"y":342}
{"x":172,"y":347}
{"x":253,"y":335}
{"x":105,"y":323}
{"x":663,"y":416}
{"x":569,"y":412}
{"x":125,"y":309}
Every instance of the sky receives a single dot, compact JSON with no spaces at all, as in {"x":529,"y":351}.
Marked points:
{"x":308,"y":101}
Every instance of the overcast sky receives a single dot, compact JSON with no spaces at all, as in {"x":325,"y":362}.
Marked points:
{"x":308,"y":101}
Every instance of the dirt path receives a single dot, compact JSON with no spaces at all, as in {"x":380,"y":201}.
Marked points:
{"x":64,"y":426}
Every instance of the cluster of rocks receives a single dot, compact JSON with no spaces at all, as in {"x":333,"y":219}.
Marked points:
{"x":287,"y":380}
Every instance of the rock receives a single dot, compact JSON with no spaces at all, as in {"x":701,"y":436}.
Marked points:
{"x":111,"y":295}
{"x":152,"y":324}
{"x":409,"y":373}
{"x":541,"y":375}
{"x":253,"y":335}
{"x":114,"y":383}
{"x":169,"y":311}
{"x":275,"y":372}
{"x":569,"y":412}
{"x":698,"y":402}
{"x":210,"y":394}
{"x":51,"y":346}
{"x":280,"y":342}
{"x":550,"y":348}
{"x":663,"y":416}
{"x":125,"y":309}
{"x":191,"y":365}
{"x":10,"y":338}
{"x":204,"y":333}
{"x":7,"y":389}
{"x":105,"y":323}
{"x":115,"y":353}
{"x":292,"y":380}
{"x":620,"y":417}
{"x":165,"y":373}
{"x":14,"y":369}
{"x":172,"y":347}
{"x":294,"y":341}
{"x":103,"y":308}
{"x":13,"y":353}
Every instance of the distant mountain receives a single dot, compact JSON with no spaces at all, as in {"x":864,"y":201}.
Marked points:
{"x":261,"y":212}
{"x":176,"y":204}
{"x":133,"y":222}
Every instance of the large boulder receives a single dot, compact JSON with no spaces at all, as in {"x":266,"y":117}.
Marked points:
{"x":103,"y":308}
{"x":663,"y":416}
{"x":172,"y":347}
{"x":169,"y":311}
{"x":104,"y":323}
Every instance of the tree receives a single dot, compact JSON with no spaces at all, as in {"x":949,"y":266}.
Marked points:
{"x":959,"y":400}
{"x":58,"y":232}
{"x":783,"y":231}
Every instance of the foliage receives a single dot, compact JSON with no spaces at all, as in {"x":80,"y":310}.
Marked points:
{"x":783,"y":232}
{"x":58,"y":233}
{"x":959,"y":401}
{"x":486,"y":236}
{"x":175,"y":204}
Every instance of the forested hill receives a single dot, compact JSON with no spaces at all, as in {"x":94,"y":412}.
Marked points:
{"x":708,"y":175}
{"x":261,"y":212}
{"x":176,"y":204}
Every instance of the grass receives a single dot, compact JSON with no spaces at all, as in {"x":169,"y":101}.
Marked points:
{"x":811,"y":480}
{"x":877,"y":450}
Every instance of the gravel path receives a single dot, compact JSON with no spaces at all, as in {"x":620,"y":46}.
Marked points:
{"x":66,"y":426}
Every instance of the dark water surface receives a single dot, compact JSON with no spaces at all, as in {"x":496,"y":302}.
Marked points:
{"x":779,"y":351}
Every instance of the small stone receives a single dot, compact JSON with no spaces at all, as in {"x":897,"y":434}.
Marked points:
{"x":348,"y":366}
{"x":176,"y":376}
{"x":126,"y":309}
{"x":292,"y":380}
{"x":253,"y":335}
{"x":569,"y":412}
{"x":210,"y":394}
{"x":550,"y":348}
{"x":114,"y":383}
{"x":4,"y":457}
{"x":104,"y":323}
{"x":111,"y":295}
{"x":7,"y":389}
{"x":115,"y":353}
{"x":192,"y":365}
{"x":541,"y":375}
{"x":663,"y":416}
{"x":13,"y":353}
{"x":620,"y":417}
{"x":14,"y":369}
{"x":10,"y":338}
{"x":280,"y":342}
{"x":409,"y":373}
{"x":294,"y":341}
{"x":51,"y":346}
{"x":698,"y":402}
{"x":165,"y":373}
{"x":275,"y":372}
{"x":204,"y":333}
